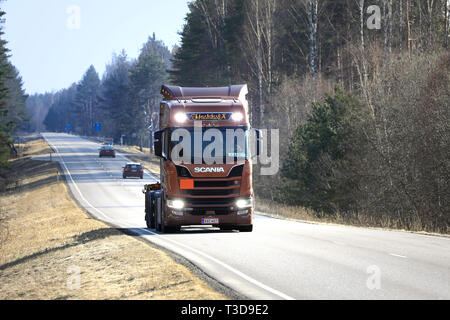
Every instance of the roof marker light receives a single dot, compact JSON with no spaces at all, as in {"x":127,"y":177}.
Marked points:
{"x":237,"y":116}
{"x":180,"y":117}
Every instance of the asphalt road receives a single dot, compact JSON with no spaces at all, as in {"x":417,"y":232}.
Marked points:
{"x":280,"y":259}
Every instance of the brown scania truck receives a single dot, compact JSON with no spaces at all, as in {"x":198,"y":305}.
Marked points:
{"x":205,"y":160}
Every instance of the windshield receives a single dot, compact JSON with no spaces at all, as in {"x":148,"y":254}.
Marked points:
{"x":133,"y":166}
{"x":209,"y":145}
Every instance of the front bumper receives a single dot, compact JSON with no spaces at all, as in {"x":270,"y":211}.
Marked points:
{"x":133,"y":174}
{"x":194,"y":216}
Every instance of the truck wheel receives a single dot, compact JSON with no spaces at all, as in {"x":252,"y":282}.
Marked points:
{"x":147,"y":221}
{"x":167,"y":229}
{"x":151,"y":215}
{"x":158,"y":215}
{"x":245,"y":228}
{"x":150,"y":222}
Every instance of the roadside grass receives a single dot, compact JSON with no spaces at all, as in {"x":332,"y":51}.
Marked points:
{"x":302,"y":214}
{"x":50,"y":244}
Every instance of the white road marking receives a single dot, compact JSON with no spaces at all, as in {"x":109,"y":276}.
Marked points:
{"x":398,"y":255}
{"x":231,"y":269}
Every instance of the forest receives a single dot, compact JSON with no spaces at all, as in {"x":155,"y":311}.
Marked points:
{"x":359,"y":89}
{"x":13,"y":112}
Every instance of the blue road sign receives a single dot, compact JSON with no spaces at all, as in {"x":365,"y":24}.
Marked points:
{"x":68,"y":127}
{"x":98,"y":126}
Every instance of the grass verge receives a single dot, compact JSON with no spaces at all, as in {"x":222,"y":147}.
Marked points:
{"x":302,"y":214}
{"x":52,"y":249}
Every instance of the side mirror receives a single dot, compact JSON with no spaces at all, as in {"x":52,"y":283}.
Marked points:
{"x":158,"y":143}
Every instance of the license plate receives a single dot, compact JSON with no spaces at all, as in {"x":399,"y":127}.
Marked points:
{"x":210,"y":221}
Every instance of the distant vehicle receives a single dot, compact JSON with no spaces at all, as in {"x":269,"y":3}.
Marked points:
{"x":133,"y":170}
{"x":107,"y":141}
{"x":107,"y":151}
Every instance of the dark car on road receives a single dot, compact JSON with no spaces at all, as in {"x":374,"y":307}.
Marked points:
{"x":133,"y":170}
{"x":107,"y":151}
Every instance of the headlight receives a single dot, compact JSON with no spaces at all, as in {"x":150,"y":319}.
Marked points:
{"x":244,"y":203}
{"x":175,"y":204}
{"x":180,"y":117}
{"x":237,"y":116}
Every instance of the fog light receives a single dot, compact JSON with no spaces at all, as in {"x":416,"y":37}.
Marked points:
{"x":178,"y":213}
{"x":242,"y":212}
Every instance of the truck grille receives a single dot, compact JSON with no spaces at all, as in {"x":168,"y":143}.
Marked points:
{"x":210,"y":187}
{"x":218,"y":211}
{"x":225,"y":189}
{"x":222,"y":202}
{"x":215,"y":183}
{"x":212,"y":192}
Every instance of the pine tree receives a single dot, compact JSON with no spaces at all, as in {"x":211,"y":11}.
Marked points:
{"x":115,"y":98}
{"x":6,"y":127}
{"x":319,"y":163}
{"x":17,"y":112}
{"x":86,"y":102}
{"x":147,"y":75}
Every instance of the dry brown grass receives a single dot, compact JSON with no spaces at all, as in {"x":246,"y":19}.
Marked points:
{"x":302,"y":214}
{"x":49,"y":237}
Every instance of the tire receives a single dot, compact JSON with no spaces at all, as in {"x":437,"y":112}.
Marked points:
{"x":149,"y":214}
{"x":142,"y":177}
{"x":167,"y":229}
{"x":158,"y":226}
{"x":248,"y":228}
{"x":124,"y":176}
{"x":150,"y":221}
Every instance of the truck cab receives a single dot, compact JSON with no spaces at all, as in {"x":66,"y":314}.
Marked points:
{"x":205,"y":160}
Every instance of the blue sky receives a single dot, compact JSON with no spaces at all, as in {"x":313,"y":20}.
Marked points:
{"x":53,"y":42}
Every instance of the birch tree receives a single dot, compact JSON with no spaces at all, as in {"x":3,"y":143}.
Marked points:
{"x":260,"y":45}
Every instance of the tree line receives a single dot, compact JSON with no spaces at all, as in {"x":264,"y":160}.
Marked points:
{"x":124,"y":103}
{"x":13,"y":112}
